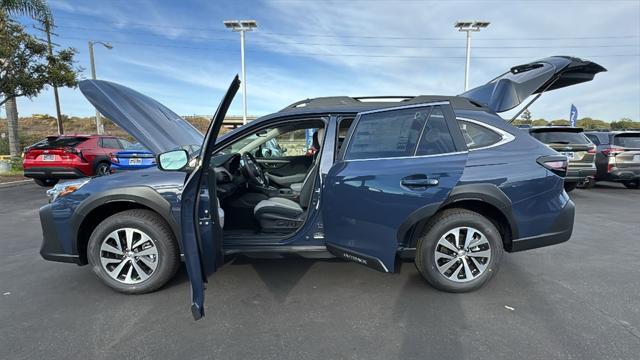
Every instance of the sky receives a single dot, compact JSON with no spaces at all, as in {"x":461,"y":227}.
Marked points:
{"x":179,"y":52}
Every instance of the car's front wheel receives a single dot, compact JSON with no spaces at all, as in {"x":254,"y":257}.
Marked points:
{"x":460,"y":251}
{"x":46,"y":182}
{"x":133,"y":251}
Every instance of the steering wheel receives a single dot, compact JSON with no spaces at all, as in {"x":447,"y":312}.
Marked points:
{"x":253,"y":170}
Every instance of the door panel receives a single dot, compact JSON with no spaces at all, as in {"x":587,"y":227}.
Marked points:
{"x":201,"y":230}
{"x":286,"y":170}
{"x":363,"y":207}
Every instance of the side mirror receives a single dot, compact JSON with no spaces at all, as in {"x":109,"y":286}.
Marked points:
{"x":174,"y":160}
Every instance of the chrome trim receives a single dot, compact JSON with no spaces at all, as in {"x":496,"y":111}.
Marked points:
{"x":506,"y":137}
{"x":411,"y":157}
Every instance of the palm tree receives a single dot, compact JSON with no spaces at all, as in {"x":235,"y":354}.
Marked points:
{"x":38,"y":10}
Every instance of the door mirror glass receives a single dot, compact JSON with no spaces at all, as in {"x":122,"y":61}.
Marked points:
{"x":174,"y":160}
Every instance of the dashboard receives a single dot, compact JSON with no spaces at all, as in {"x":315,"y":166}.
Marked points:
{"x":229,"y":176}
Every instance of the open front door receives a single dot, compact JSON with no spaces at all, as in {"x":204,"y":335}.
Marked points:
{"x":201,"y":230}
{"x":399,"y":166}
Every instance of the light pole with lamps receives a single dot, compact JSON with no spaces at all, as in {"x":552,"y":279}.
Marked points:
{"x":242,"y":26}
{"x":99,"y":126}
{"x":468,"y":27}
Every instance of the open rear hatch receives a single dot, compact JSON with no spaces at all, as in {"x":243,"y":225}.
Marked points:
{"x":512,"y":88}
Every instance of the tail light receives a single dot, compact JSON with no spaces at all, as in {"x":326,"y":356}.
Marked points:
{"x":555,"y":164}
{"x":613,"y":151}
{"x":592,"y":149}
{"x":114,"y":159}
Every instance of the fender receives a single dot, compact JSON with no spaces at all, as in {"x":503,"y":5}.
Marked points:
{"x":142,"y":195}
{"x":488,"y":193}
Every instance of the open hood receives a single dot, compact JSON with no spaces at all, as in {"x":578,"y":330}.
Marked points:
{"x":511,"y":88}
{"x":155,"y":126}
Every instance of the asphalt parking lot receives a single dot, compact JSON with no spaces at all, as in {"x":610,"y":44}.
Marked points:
{"x":576,"y":300}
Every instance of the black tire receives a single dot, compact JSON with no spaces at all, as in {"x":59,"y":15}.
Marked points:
{"x":157,"y":229}
{"x":590,"y":183}
{"x":46,"y":182}
{"x":102,"y":169}
{"x":635,"y":184}
{"x":438,"y":226}
{"x":569,"y":187}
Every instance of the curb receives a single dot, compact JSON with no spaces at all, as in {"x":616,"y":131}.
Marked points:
{"x":15,"y":183}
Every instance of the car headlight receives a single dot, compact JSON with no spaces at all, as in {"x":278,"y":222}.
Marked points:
{"x":65,"y":188}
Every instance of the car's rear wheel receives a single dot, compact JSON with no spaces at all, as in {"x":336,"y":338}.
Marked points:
{"x":568,"y":187}
{"x":133,"y":251}
{"x":460,"y":251}
{"x":46,"y":182}
{"x":635,"y":184}
{"x":102,"y":169}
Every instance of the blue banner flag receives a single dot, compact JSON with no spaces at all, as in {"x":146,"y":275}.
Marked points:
{"x":573,"y":115}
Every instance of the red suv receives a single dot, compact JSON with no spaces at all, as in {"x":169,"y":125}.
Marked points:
{"x":69,"y":157}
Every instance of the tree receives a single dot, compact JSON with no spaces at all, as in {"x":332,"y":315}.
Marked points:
{"x":539,"y":122}
{"x":36,"y":9}
{"x":560,"y":122}
{"x":526,"y":116}
{"x":589,"y":123}
{"x":625,"y":123}
{"x":26,"y":68}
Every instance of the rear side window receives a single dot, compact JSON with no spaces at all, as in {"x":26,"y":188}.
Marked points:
{"x":477,"y":136}
{"x":436,"y":138}
{"x":631,"y":140}
{"x":386,"y":134}
{"x":63,"y":141}
{"x":110,"y":143}
{"x":552,"y":136}
{"x":594,"y":139}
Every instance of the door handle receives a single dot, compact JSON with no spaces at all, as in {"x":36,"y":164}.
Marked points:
{"x":419,"y":183}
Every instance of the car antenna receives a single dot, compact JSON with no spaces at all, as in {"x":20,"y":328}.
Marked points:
{"x":534,"y":99}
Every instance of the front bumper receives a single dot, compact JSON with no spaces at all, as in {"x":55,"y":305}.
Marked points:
{"x":53,"y":172}
{"x":560,"y":231}
{"x":52,"y":248}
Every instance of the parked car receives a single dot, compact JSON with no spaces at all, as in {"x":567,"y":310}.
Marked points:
{"x":572,"y":143}
{"x":617,"y":156}
{"x":441,"y":180}
{"x":133,"y":157}
{"x":69,"y":157}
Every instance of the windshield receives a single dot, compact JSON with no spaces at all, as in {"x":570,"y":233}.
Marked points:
{"x":561,"y":137}
{"x":627,"y":140}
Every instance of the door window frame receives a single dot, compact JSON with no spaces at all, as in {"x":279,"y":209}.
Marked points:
{"x":450,"y":118}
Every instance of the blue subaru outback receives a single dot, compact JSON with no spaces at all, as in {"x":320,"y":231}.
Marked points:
{"x":443,"y":180}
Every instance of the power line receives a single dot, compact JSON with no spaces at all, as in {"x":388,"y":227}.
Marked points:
{"x":191,"y":37}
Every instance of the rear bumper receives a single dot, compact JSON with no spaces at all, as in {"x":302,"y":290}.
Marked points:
{"x":579,"y":174}
{"x":560,"y":231}
{"x":52,"y":248}
{"x":625,"y":174}
{"x":53,"y":172}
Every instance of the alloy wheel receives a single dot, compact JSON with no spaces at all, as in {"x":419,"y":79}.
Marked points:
{"x":103,"y":169}
{"x":462,"y":254}
{"x":128,"y":255}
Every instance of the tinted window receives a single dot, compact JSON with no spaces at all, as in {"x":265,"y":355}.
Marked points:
{"x":553,"y":136}
{"x":477,"y":136}
{"x":436,"y":138}
{"x":627,"y":140}
{"x":387,"y":134}
{"x":110,"y":143}
{"x":594,"y":139}
{"x":63,"y":141}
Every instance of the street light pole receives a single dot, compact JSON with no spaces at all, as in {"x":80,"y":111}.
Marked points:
{"x":99,"y":126}
{"x":468,"y":27}
{"x":242,"y":26}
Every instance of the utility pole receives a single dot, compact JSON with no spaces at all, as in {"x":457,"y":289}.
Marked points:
{"x":468,"y":27}
{"x":48,"y":32}
{"x":99,"y":126}
{"x":242,"y":26}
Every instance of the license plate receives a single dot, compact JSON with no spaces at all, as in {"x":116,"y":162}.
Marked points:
{"x":569,"y":155}
{"x":636,"y":158}
{"x":135,"y":161}
{"x":48,"y":157}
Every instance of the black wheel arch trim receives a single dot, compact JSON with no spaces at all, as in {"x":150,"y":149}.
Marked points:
{"x":487,"y":193}
{"x":143,"y":195}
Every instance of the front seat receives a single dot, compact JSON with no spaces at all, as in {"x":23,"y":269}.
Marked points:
{"x":278,"y":214}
